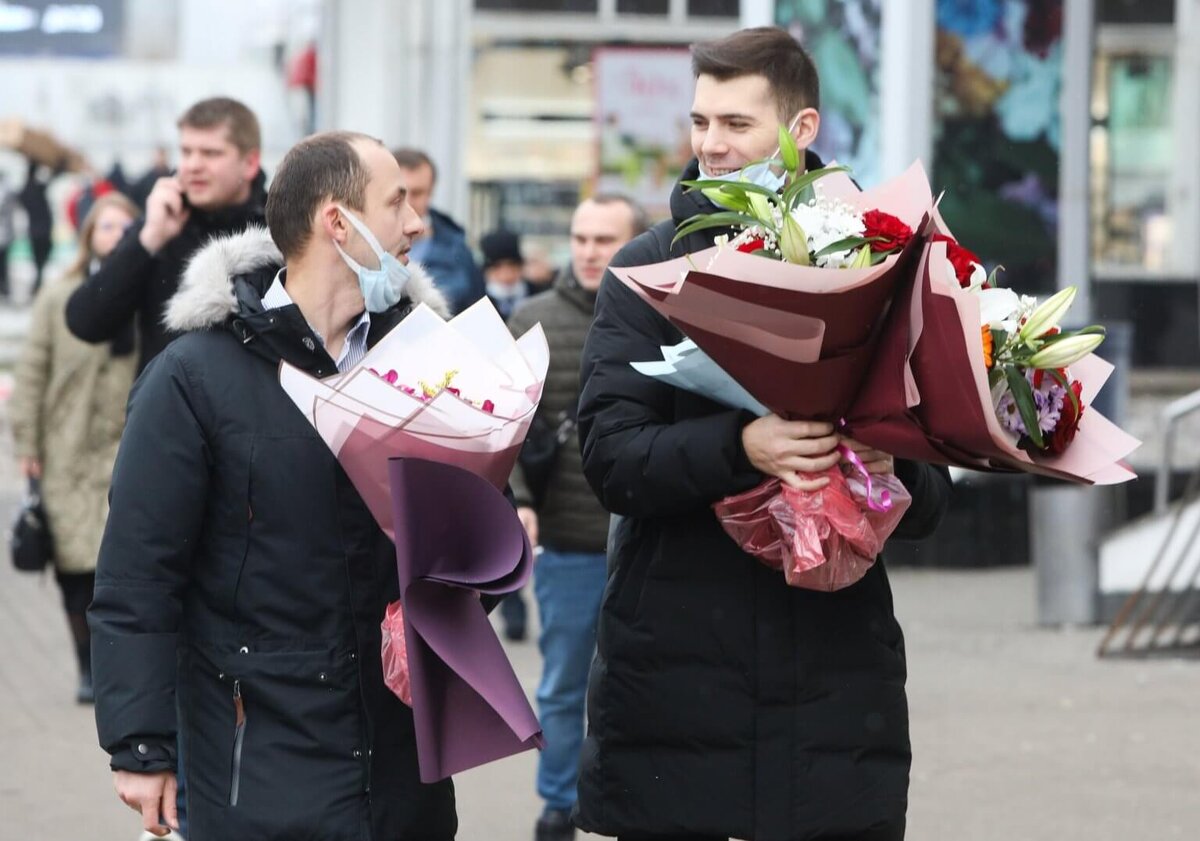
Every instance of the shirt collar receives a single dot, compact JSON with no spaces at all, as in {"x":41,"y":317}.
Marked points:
{"x":353,"y":349}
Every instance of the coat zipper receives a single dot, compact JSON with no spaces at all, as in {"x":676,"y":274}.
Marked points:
{"x":239,"y":734}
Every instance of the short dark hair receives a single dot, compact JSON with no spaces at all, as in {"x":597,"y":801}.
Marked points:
{"x":639,"y":219}
{"x":323,"y":167}
{"x":764,"y":51}
{"x":411,"y":158}
{"x":223,"y":111}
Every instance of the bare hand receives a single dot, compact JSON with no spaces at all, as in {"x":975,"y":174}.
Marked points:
{"x":151,"y":794}
{"x":876,"y":461}
{"x":793,"y":451}
{"x":31,"y":468}
{"x":165,"y":214}
{"x":529,"y":521}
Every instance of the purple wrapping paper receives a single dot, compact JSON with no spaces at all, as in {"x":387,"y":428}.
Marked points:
{"x":456,"y":537}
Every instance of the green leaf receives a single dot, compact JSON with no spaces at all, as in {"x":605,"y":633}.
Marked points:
{"x":806,"y":181}
{"x":788,"y":151}
{"x":729,"y":199}
{"x":1061,"y":380}
{"x":762,"y":252}
{"x":846,"y":244}
{"x":745,"y":187}
{"x":725,"y":219}
{"x":1022,"y":393}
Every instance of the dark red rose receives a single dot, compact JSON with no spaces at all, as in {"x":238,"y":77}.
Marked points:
{"x":962,"y":259}
{"x":752,"y":245}
{"x":1068,"y":422}
{"x":892,"y":233}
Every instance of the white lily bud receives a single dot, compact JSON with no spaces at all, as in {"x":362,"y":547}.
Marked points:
{"x":793,"y":242}
{"x":1048,"y":314}
{"x":1066,"y":351}
{"x":760,"y":206}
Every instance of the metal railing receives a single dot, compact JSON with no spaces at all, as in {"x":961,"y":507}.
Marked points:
{"x":1172,"y":414}
{"x":1167,"y":616}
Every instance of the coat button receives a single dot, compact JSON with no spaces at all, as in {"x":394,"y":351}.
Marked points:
{"x":221,"y":676}
{"x":143,"y":750}
{"x":357,"y":753}
{"x":353,"y":656}
{"x":245,"y":649}
{"x":322,"y":677}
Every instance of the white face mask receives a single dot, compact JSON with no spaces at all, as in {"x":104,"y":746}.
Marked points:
{"x":381,"y":287}
{"x":759,"y":173}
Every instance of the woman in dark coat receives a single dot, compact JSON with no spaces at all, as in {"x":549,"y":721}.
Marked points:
{"x":724,"y":703}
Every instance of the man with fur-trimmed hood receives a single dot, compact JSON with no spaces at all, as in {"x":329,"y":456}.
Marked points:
{"x":238,"y":545}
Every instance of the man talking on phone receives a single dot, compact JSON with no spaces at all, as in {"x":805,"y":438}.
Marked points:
{"x":218,"y":190}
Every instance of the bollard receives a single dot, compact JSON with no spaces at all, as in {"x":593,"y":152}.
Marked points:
{"x":1065,"y":522}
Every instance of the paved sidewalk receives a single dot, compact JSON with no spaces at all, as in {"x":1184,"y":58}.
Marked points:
{"x":1019,"y":733}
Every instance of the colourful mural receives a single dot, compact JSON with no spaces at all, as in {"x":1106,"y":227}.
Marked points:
{"x":843,"y":38}
{"x":996,"y":147}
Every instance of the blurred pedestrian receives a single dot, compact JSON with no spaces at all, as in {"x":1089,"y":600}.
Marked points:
{"x":442,"y":249}
{"x":160,"y":167}
{"x":40,"y":218}
{"x":219,"y":190}
{"x":503,"y":271}
{"x":67,"y":414}
{"x":560,"y":512}
{"x":8,"y":208}
{"x":506,"y":287}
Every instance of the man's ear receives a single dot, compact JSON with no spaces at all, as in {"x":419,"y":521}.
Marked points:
{"x":808,"y":125}
{"x":331,"y":221}
{"x":251,"y":162}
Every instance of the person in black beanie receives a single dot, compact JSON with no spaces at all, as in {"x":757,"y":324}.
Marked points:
{"x":503,"y":271}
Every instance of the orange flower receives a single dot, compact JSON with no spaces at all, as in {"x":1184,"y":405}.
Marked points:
{"x":989,"y":347}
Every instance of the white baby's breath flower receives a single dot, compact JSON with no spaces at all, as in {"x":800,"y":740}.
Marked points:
{"x":827,"y":221}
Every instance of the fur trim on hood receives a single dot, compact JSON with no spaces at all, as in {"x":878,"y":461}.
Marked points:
{"x":206,"y":298}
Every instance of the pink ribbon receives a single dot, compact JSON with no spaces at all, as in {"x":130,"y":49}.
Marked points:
{"x":885,"y":498}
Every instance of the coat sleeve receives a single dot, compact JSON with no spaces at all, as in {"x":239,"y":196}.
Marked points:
{"x":639,"y":459}
{"x":32,"y":376}
{"x":930,"y":488}
{"x":106,"y":301}
{"x":157,"y":505}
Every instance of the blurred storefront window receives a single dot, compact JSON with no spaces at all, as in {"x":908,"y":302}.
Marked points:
{"x":1132,"y":162}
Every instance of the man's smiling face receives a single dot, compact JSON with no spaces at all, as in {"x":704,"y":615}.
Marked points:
{"x":734,"y":122}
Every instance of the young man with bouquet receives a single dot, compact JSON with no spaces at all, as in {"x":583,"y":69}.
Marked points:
{"x":236,"y":544}
{"x":724,"y":703}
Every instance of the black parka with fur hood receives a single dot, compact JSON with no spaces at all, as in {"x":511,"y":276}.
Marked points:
{"x":238,"y":549}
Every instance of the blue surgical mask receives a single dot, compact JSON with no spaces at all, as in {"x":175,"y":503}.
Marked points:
{"x":381,"y":287}
{"x":759,"y":173}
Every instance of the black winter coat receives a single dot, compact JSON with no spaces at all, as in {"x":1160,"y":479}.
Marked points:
{"x":132,"y":282}
{"x":722,"y":701}
{"x":570,"y":518}
{"x":237,"y":544}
